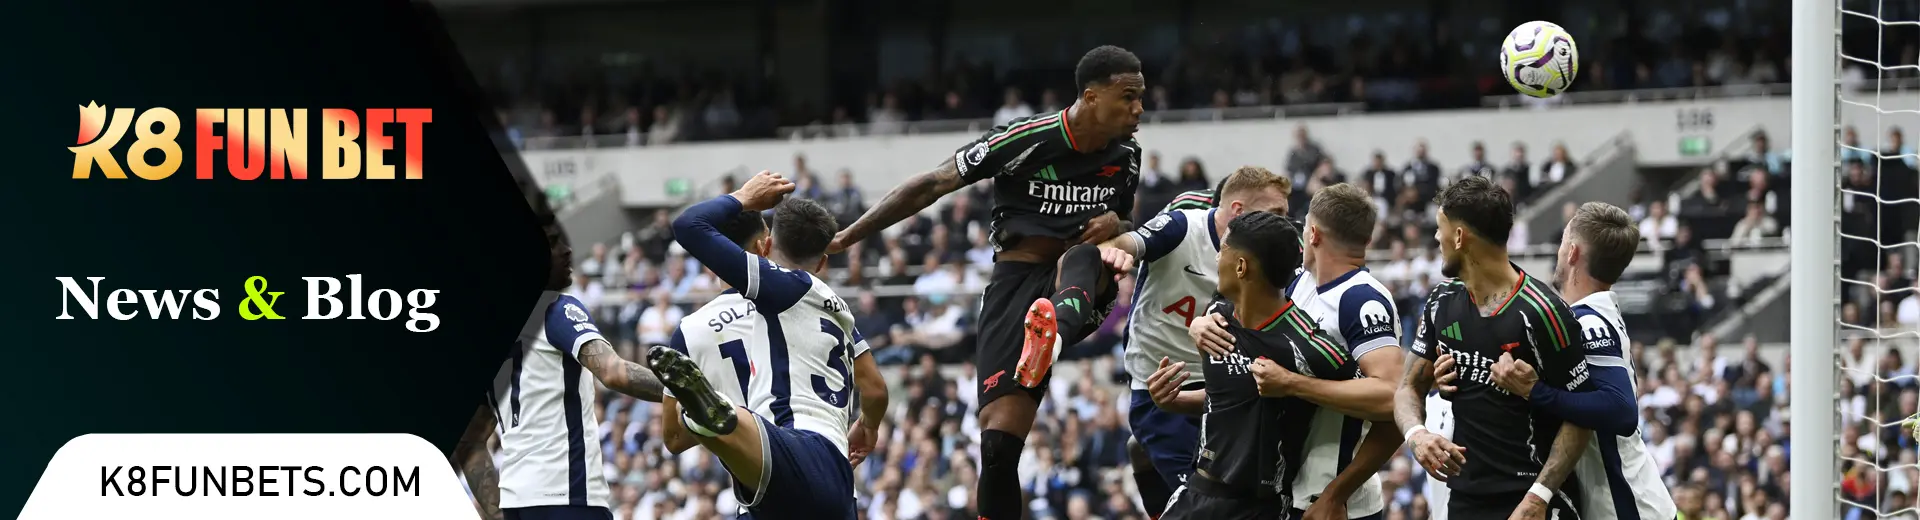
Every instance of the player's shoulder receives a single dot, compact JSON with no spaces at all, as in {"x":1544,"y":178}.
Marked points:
{"x":1537,"y":288}
{"x":1447,"y":290}
{"x":822,"y":296}
{"x":566,"y":307}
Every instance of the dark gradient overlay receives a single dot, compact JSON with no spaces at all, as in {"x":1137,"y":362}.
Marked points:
{"x":465,"y":229}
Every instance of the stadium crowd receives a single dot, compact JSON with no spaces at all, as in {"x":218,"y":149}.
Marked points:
{"x":1715,"y":421}
{"x":1410,"y":59}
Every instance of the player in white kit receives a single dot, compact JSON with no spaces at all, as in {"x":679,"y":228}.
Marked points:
{"x":715,"y":335}
{"x":542,"y":407}
{"x":1344,"y":450}
{"x":1618,"y":478}
{"x":1176,"y":276}
{"x":792,"y":448}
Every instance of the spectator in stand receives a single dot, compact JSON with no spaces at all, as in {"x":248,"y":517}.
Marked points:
{"x":1193,"y":176}
{"x":887,"y":118}
{"x":1764,"y":155}
{"x":1659,"y":226}
{"x":1897,"y":180}
{"x":1521,"y":171}
{"x":1421,"y":172}
{"x":1011,"y":107}
{"x":1685,"y":250}
{"x":1157,"y":190}
{"x":1379,"y":178}
{"x":633,"y":128}
{"x":1850,"y":147}
{"x":658,"y":321}
{"x":1479,"y":165}
{"x":1709,"y":201}
{"x":1909,"y":313}
{"x":666,"y":126}
{"x":847,"y":202}
{"x":1860,"y":217}
{"x":1558,"y":168}
{"x":1755,"y":226}
{"x":1304,"y":157}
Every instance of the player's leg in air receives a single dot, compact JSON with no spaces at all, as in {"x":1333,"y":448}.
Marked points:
{"x":1062,"y":179}
{"x":1085,"y":293}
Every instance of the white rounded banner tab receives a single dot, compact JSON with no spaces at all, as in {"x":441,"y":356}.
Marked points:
{"x":249,"y":476}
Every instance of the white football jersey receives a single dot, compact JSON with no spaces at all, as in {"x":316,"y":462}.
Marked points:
{"x":1440,"y":421}
{"x":806,"y":343}
{"x":1618,"y":478}
{"x":715,"y":337}
{"x":1177,"y":274}
{"x":1361,"y":313}
{"x":549,"y":435}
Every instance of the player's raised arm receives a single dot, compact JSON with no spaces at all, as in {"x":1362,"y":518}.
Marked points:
{"x":918,"y":192}
{"x":476,"y":463}
{"x":570,"y":329}
{"x":759,"y":279}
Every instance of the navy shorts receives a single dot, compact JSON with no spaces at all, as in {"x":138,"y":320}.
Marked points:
{"x":1170,"y":438}
{"x":558,"y":513}
{"x":804,"y":477}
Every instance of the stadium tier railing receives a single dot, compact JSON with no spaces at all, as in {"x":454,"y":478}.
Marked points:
{"x":1638,"y":95}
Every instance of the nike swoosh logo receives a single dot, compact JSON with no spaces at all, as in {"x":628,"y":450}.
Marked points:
{"x":1189,"y":270}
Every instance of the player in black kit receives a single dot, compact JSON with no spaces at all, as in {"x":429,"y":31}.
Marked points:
{"x":1252,"y":446}
{"x":1507,"y":459}
{"x":1062,"y":183}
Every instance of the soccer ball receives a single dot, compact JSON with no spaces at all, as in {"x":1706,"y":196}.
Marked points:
{"x":1539,"y":59}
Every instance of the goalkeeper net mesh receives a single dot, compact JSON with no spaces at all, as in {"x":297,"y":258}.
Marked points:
{"x":1879,"y":212}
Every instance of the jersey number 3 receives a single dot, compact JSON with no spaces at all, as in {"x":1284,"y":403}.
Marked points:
{"x":836,"y":360}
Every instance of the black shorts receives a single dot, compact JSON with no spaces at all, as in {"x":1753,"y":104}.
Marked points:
{"x":1460,"y":506}
{"x":558,"y":513}
{"x":1011,"y":289}
{"x":1188,"y":504}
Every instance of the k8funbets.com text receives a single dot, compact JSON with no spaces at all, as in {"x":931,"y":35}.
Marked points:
{"x":256,"y":143}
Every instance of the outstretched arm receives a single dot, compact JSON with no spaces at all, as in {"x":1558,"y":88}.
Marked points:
{"x":622,"y":376}
{"x":570,"y":328}
{"x":908,"y":198}
{"x":1608,"y":409}
{"x":1369,"y":398}
{"x":476,"y":463}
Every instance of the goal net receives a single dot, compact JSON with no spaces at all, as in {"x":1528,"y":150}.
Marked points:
{"x":1855,"y":176}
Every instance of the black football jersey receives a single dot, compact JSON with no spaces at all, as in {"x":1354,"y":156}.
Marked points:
{"x":1042,"y":186}
{"x":1507,"y":440}
{"x":1254,"y":445}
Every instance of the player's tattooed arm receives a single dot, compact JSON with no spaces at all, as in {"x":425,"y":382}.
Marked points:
{"x":622,"y":376}
{"x":1410,"y":401}
{"x":908,"y":198}
{"x":476,"y":463}
{"x":1567,"y":448}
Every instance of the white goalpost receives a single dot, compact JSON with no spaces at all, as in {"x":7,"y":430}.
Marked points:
{"x":1814,"y":492}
